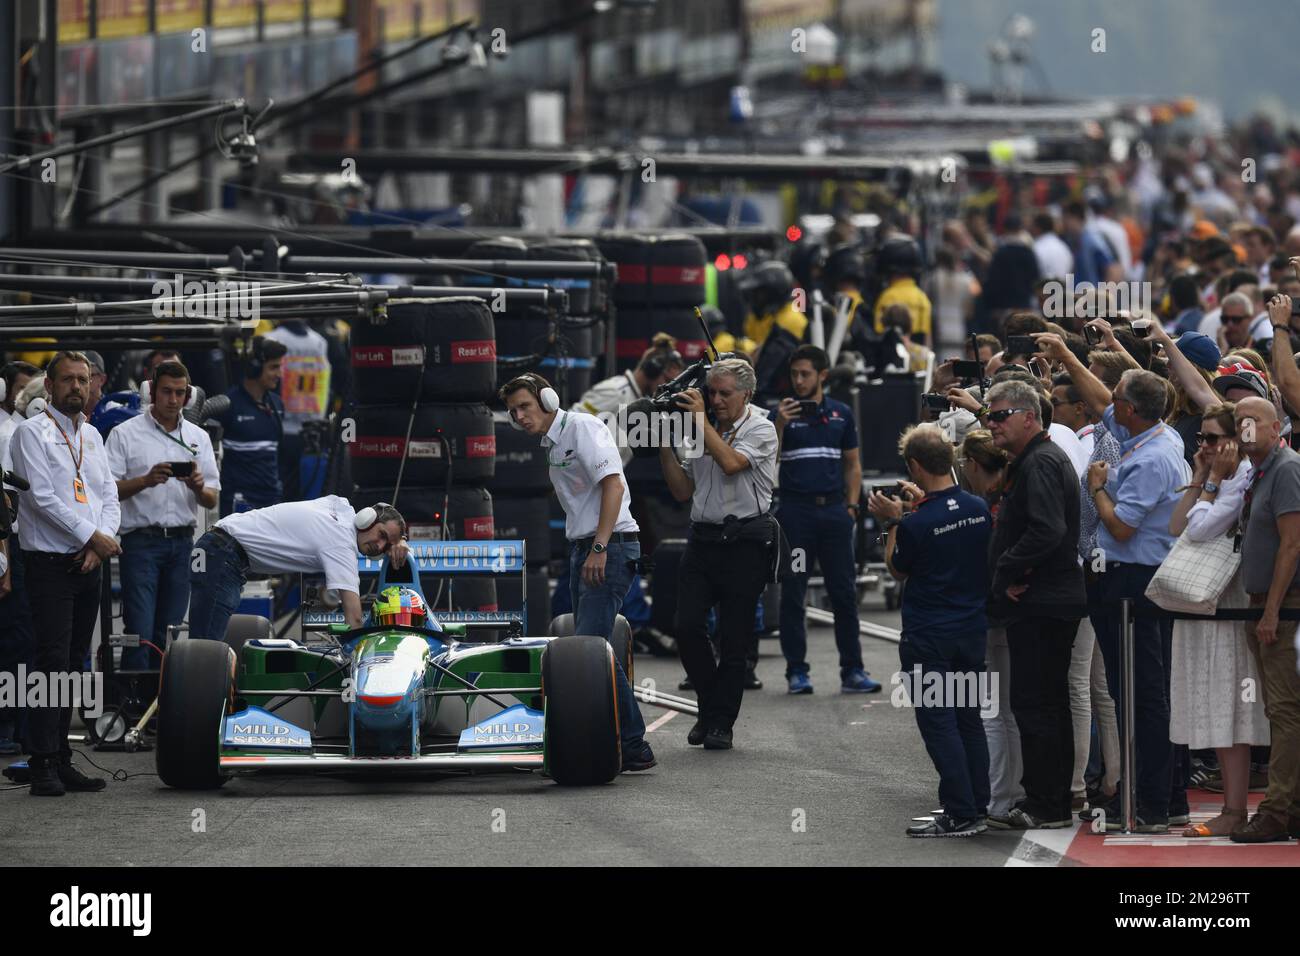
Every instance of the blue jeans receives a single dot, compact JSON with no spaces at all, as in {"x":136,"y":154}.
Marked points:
{"x":824,"y":532}
{"x":596,"y":609}
{"x":635,"y":607}
{"x":953,"y":735}
{"x":216,"y":581}
{"x":155,"y":592}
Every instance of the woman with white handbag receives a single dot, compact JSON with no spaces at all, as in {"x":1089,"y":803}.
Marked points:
{"x":1214,"y":696}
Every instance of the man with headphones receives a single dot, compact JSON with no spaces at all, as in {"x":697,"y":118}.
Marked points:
{"x":165,"y":472}
{"x":322,"y":536}
{"x":253,"y":429}
{"x":587,"y":474}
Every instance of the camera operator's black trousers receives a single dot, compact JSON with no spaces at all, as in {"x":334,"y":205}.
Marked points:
{"x":65,"y":606}
{"x":731,"y":576}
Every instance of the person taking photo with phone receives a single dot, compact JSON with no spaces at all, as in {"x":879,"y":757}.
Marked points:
{"x":165,"y":472}
{"x":821,"y":481}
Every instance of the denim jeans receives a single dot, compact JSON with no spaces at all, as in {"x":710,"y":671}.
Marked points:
{"x":824,"y":532}
{"x":635,"y":607}
{"x":155,"y":575}
{"x":1152,"y":646}
{"x":595,"y":611}
{"x":953,"y":730}
{"x":216,"y":580}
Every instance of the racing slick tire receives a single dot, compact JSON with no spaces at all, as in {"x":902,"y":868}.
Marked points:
{"x":244,"y":628}
{"x":581,"y":705}
{"x":620,"y":640}
{"x":198,"y":682}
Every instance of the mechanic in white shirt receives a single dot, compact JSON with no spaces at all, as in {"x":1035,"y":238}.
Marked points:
{"x":165,"y":472}
{"x":321,"y":536}
{"x":70,"y":516}
{"x":729,"y":558}
{"x":604,"y":549}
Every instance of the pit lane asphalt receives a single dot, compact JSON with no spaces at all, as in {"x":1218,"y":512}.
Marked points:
{"x":851,"y":768}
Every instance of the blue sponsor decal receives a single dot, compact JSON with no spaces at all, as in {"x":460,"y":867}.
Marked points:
{"x":457,"y":557}
{"x":261,"y":729}
{"x":517,"y":726}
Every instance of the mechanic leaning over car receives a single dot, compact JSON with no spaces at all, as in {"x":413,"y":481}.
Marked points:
{"x":604,"y":549}
{"x":69,"y":519}
{"x":165,"y":472}
{"x":308,"y":537}
{"x":734,"y":542}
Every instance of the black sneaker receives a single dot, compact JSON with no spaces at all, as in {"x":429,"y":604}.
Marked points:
{"x":697,"y":734}
{"x":1018,"y":818}
{"x":686,"y":684}
{"x":640,"y":758}
{"x":946,"y":826}
{"x":718,"y":738}
{"x":655,"y":643}
{"x":751,"y":681}
{"x":45,"y":779}
{"x":74,"y":779}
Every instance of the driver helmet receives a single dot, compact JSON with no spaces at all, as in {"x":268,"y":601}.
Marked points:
{"x":399,"y":605}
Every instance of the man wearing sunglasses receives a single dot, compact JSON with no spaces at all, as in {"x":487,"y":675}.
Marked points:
{"x":298,"y":537}
{"x":1038,"y":590}
{"x":1236,"y":315}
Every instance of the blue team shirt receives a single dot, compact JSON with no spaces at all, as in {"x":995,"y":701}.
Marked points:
{"x":942,"y":547}
{"x":812,"y":450}
{"x":250,"y":447}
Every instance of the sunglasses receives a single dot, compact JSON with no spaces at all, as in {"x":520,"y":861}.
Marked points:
{"x":1208,"y":438}
{"x":1234,"y":318}
{"x":1002,"y":414}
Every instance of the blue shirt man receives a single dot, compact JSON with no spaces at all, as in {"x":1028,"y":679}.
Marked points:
{"x":820,"y":480}
{"x":253,"y":430}
{"x":1144,"y":489}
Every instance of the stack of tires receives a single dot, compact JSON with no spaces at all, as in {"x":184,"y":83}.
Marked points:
{"x":660,"y":282}
{"x":423,"y":372}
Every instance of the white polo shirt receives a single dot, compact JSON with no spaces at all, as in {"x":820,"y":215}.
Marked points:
{"x":746,"y":493}
{"x":53,"y":520}
{"x":581,"y":453}
{"x":308,"y":537}
{"x":141,"y":442}
{"x":609,"y":396}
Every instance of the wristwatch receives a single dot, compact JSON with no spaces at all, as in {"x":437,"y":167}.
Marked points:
{"x":1210,"y":488}
{"x":598,"y":547}
{"x":854,"y":505}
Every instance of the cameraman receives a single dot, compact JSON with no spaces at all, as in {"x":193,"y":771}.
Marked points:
{"x":729,"y":556}
{"x":821,"y":481}
{"x":940,"y":551}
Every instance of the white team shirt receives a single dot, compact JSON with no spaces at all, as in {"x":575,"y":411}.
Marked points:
{"x":141,"y":442}
{"x":53,"y":520}
{"x":746,"y":493}
{"x":608,"y":397}
{"x":581,"y":454}
{"x":311,"y":537}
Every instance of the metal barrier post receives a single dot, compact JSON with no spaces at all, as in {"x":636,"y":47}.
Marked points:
{"x":1128,"y":765}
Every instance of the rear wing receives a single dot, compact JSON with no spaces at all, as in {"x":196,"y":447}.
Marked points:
{"x":443,"y":559}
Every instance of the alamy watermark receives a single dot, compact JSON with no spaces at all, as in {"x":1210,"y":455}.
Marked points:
{"x":633,"y":428}
{"x":941,"y":689}
{"x":205,"y":299}
{"x":33,"y":689}
{"x":1094,"y":300}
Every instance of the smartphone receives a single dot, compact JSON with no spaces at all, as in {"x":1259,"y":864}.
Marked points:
{"x":936,"y":402}
{"x":1092,"y":335}
{"x":966,"y":368}
{"x":1037,"y":366}
{"x":181,"y":469}
{"x":1021,"y":345}
{"x":807,"y":408}
{"x":889,"y":491}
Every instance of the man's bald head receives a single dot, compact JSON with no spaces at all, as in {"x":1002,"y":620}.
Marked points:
{"x":1258,"y":428}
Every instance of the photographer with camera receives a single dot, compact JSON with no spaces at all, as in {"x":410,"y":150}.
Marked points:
{"x":734,"y":541}
{"x":820,"y":482}
{"x":165,"y":472}
{"x":70,"y":517}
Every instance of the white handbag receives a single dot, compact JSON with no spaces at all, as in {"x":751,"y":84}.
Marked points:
{"x":1194,"y":575}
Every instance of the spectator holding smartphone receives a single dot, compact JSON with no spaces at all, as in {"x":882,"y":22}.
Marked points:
{"x":165,"y":472}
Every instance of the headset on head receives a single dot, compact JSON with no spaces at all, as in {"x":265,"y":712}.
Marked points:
{"x":366,"y":517}
{"x":255,"y":360}
{"x":545,"y":394}
{"x":659,"y":359}
{"x":148,"y":385}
